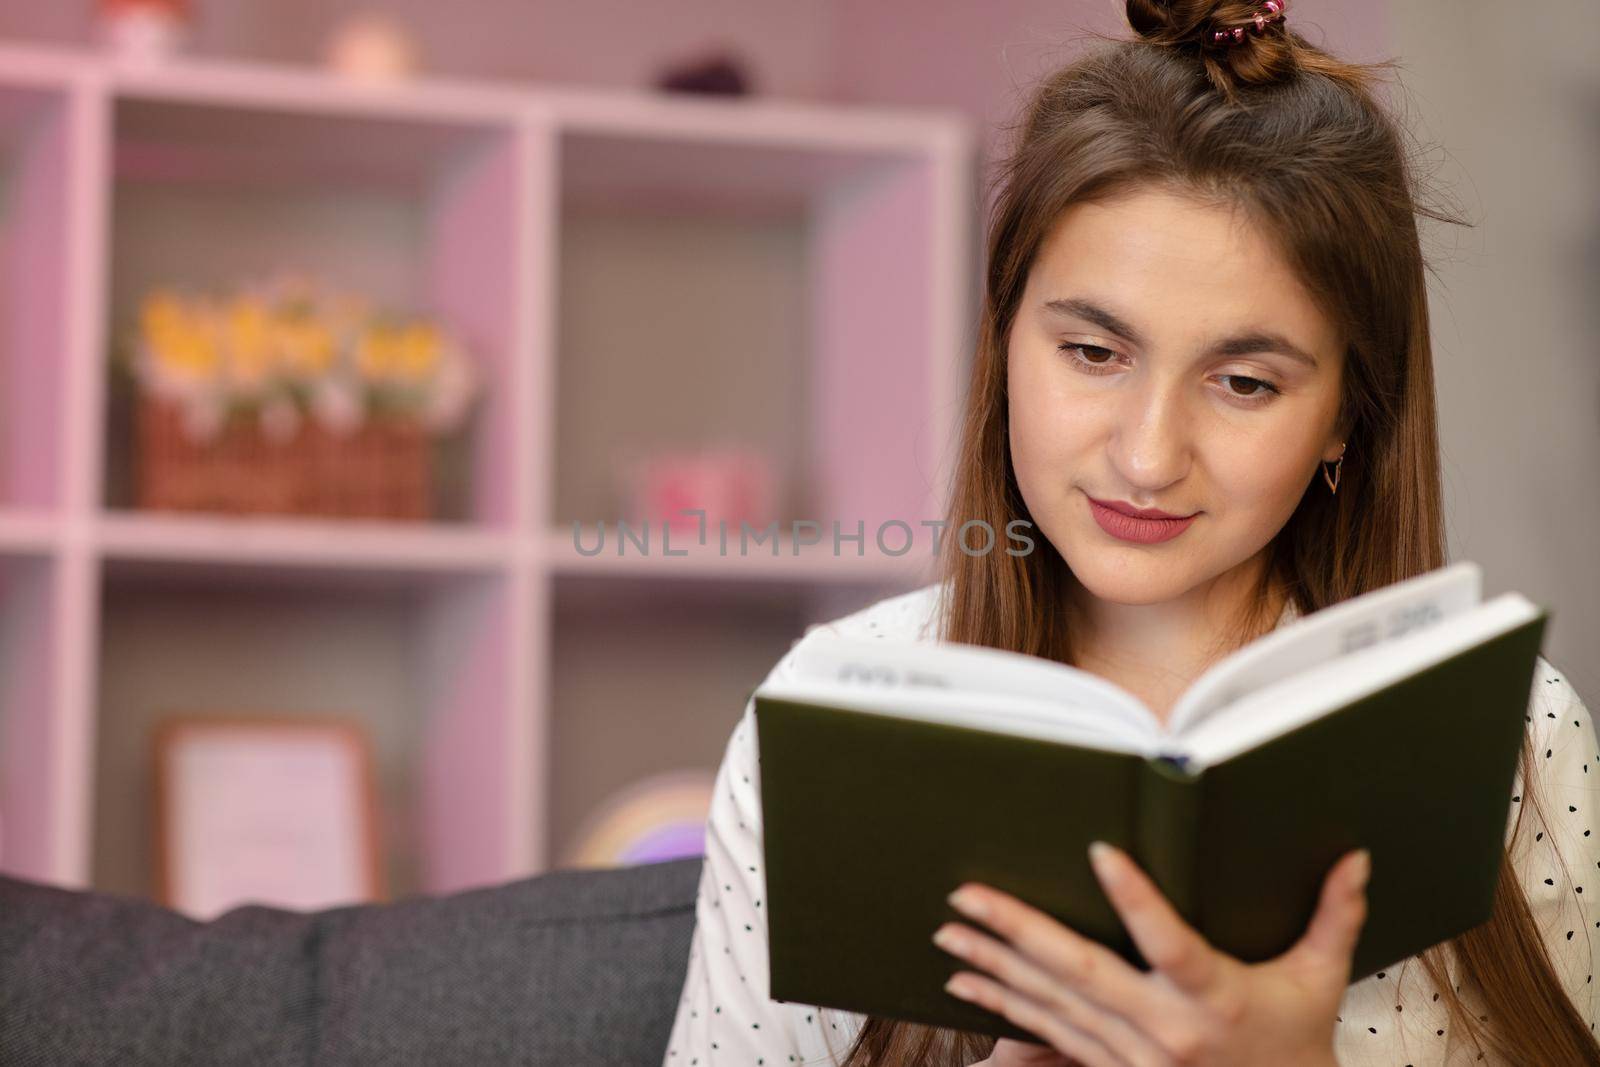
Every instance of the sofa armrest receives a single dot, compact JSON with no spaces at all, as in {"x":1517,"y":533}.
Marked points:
{"x":571,"y":967}
{"x":91,"y":978}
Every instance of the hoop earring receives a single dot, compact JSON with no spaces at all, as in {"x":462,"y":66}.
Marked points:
{"x":1333,"y":483}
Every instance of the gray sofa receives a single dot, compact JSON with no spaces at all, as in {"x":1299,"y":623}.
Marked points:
{"x":572,"y":967}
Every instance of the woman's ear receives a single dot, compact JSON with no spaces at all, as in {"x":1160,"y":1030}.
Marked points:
{"x":1340,"y":438}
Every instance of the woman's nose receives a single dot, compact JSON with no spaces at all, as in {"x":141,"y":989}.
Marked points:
{"x":1151,"y":441}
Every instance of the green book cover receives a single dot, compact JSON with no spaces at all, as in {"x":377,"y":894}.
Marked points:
{"x":1399,"y":738}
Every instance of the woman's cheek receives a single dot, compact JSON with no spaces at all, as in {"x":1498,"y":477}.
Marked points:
{"x":1262,"y":480}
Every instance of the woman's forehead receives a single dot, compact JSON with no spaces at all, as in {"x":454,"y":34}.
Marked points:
{"x":1168,"y":261}
{"x":1159,"y":232}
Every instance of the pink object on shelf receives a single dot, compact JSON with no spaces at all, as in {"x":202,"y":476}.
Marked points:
{"x":143,"y":29}
{"x":731,"y":484}
{"x":371,"y":46}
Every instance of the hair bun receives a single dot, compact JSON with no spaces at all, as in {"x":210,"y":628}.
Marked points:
{"x":1254,"y":57}
{"x":1171,"y":21}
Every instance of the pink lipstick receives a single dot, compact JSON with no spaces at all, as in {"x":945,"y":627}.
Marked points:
{"x":1143,"y":531}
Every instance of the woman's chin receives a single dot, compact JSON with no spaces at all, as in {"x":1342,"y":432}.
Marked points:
{"x":1130,"y":582}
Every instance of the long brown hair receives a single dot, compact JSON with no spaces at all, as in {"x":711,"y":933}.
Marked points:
{"x":1297,"y":140}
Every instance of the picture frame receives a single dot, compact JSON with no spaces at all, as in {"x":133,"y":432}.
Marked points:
{"x":267,"y":809}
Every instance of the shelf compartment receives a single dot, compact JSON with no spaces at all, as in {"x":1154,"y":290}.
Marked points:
{"x":651,"y":678}
{"x":647,"y":682}
{"x":419,"y":215}
{"x":803,"y":278}
{"x":425,"y":669}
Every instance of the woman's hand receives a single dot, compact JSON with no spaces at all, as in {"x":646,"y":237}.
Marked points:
{"x":1196,"y":1006}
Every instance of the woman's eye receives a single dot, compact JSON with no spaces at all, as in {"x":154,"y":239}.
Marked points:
{"x":1090,"y":350}
{"x":1092,"y":359}
{"x":1258,"y":387}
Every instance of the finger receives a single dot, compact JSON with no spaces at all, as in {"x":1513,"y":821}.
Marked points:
{"x":1330,"y":939}
{"x":1053,"y":965}
{"x":1019,"y":973}
{"x":1034,"y":1017}
{"x":1165,"y":940}
{"x":1058,"y":950}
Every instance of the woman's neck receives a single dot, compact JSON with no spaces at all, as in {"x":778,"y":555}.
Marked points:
{"x":1156,"y":651}
{"x":1158,"y":685}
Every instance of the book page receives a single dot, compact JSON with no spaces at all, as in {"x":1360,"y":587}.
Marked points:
{"x":1307,"y":696}
{"x":1019,"y":716}
{"x":1336,"y":631}
{"x":993,"y":682}
{"x":990,"y":688}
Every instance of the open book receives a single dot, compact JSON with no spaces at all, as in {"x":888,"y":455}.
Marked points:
{"x":891,"y":772}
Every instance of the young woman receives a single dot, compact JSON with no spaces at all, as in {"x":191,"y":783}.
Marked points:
{"x":1205,"y":296}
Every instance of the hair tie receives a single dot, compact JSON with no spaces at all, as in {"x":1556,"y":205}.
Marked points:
{"x":1271,"y":11}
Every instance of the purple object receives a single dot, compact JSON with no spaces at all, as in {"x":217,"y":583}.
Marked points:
{"x":719,"y":74}
{"x":667,"y":843}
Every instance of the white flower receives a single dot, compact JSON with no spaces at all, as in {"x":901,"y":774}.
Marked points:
{"x":336,"y":402}
{"x":451,"y":391}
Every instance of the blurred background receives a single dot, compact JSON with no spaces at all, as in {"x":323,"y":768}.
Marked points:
{"x":331,"y":333}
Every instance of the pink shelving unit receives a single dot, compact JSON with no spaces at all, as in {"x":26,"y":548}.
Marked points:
{"x":510,"y":682}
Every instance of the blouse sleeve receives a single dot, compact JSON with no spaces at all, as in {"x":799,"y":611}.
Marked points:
{"x":1558,"y":857}
{"x":1398,"y":1020}
{"x":725,"y":1014}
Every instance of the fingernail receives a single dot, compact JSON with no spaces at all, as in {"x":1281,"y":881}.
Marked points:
{"x":1363,"y":868}
{"x":950,"y":941}
{"x":965,"y":900}
{"x":1100,"y":858}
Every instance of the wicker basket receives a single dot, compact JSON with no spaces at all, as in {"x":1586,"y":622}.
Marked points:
{"x":382,"y":471}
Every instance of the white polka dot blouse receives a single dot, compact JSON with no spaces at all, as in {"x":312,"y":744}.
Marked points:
{"x":1393,"y":1018}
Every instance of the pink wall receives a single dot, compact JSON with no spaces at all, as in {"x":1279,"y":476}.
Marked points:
{"x":958,"y":54}
{"x":981,"y":59}
{"x":580,"y":42}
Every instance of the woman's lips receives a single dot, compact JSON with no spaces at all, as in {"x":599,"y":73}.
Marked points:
{"x":1140,"y":531}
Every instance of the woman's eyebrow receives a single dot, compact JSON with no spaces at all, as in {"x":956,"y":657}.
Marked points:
{"x":1242,"y":345}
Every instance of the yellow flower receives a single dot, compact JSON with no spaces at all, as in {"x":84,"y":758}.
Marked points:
{"x":418,"y":351}
{"x":305,"y":345}
{"x":248,"y":331}
{"x":178,"y":336}
{"x":253,"y":337}
{"x":377,"y":351}
{"x":161,"y":314}
{"x":192,"y":353}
